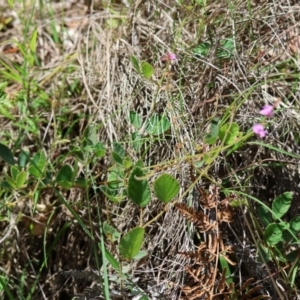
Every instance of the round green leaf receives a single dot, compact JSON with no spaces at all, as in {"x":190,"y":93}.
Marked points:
{"x":132,"y":242}
{"x":127,"y":162}
{"x":138,"y":189}
{"x":37,"y":164}
{"x":202,"y":49}
{"x":281,"y":204}
{"x":229,"y":132}
{"x":117,"y":158}
{"x":264,"y":215}
{"x":6,"y":154}
{"x":295,"y":224}
{"x":135,"y":119}
{"x":111,"y":194}
{"x":115,"y":179}
{"x":227,"y":48}
{"x":213,"y":134}
{"x":99,"y":149}
{"x":147,"y":69}
{"x":65,"y":177}
{"x":119,"y":149}
{"x":110,"y":231}
{"x":273,"y":234}
{"x":166,"y":188}
{"x":65,"y":174}
{"x":21,"y":178}
{"x":157,"y":125}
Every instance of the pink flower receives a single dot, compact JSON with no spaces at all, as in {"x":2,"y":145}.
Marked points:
{"x":267,"y":111}
{"x":169,"y":57}
{"x":259,"y":130}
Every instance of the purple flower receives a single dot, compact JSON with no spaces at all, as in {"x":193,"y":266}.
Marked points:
{"x":267,"y":111}
{"x":259,"y":130}
{"x":169,"y":57}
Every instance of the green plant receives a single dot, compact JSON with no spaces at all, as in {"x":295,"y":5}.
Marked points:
{"x":224,"y":51}
{"x":280,"y":237}
{"x":184,"y":104}
{"x":143,"y":68}
{"x":129,"y":180}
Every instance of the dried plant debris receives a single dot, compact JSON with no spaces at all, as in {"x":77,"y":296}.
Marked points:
{"x":204,"y":278}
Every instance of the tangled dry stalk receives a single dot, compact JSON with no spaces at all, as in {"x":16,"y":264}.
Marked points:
{"x":97,"y":43}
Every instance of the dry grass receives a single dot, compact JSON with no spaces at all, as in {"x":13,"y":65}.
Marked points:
{"x":90,"y":82}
